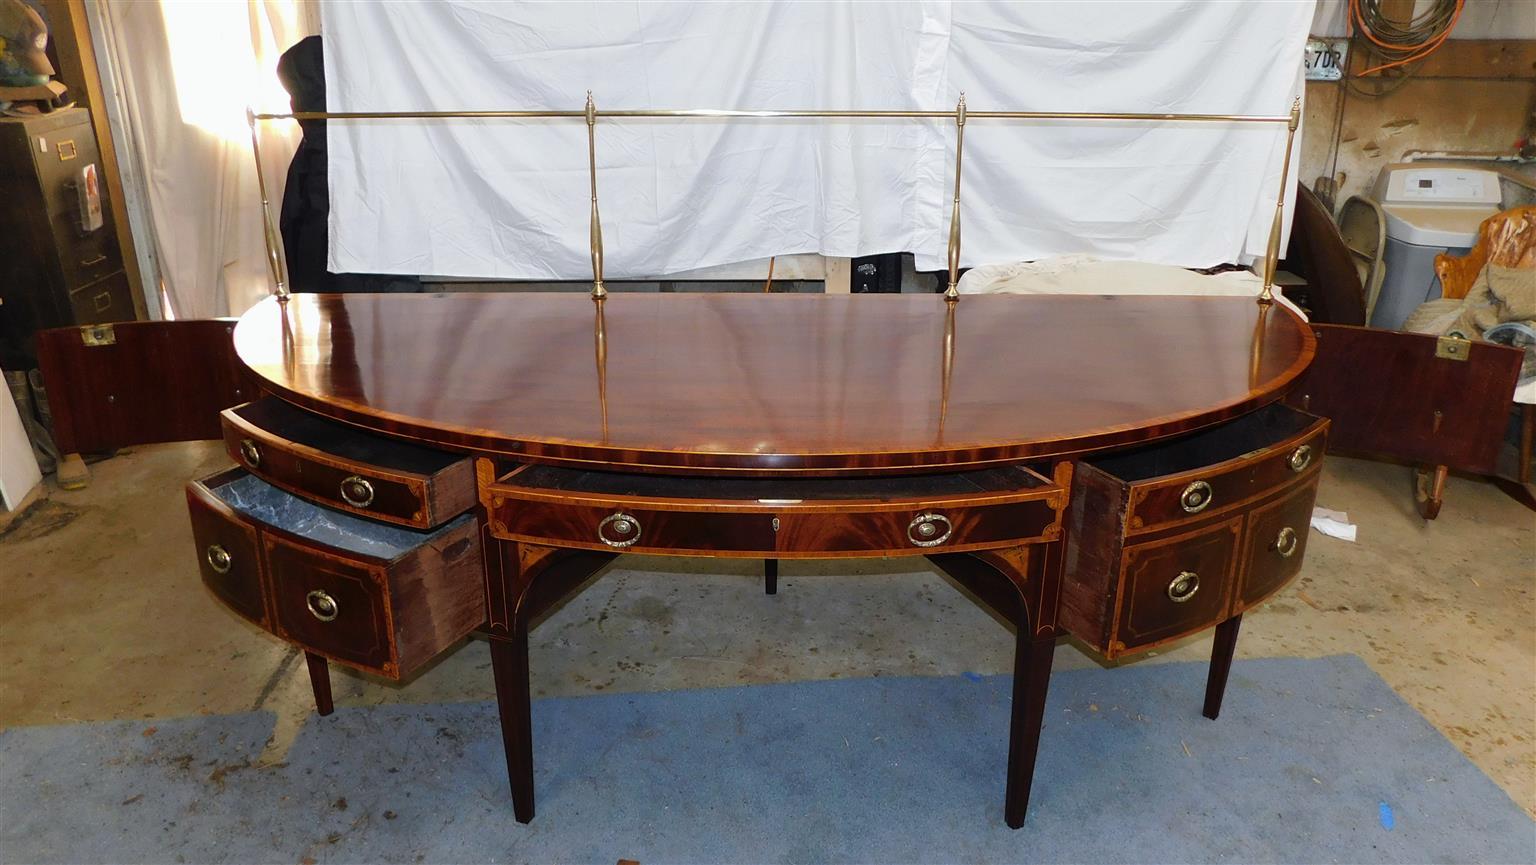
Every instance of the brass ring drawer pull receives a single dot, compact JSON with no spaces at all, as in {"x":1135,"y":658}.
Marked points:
{"x":1300,"y":458}
{"x":929,"y":530}
{"x":357,"y":492}
{"x":1285,"y":542}
{"x":625,"y":527}
{"x":321,"y":605}
{"x":1183,"y":587}
{"x":1196,"y":497}
{"x":250,"y":453}
{"x":218,"y":559}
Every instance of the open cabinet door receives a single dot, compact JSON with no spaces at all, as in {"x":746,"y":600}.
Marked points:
{"x":1422,"y":399}
{"x":113,"y":385}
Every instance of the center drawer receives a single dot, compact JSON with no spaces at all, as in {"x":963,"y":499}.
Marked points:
{"x":347,"y":468}
{"x":1175,"y":537}
{"x":374,"y":596}
{"x":776,"y":517}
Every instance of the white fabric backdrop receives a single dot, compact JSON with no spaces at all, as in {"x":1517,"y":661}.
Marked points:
{"x":509,"y":199}
{"x":187,"y":69}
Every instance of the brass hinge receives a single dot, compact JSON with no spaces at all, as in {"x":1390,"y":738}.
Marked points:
{"x":1452,"y":348}
{"x":98,"y":334}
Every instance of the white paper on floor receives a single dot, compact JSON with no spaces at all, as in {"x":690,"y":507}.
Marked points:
{"x":1334,"y":524}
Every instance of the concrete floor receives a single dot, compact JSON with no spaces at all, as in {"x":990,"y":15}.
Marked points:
{"x":102,"y":616}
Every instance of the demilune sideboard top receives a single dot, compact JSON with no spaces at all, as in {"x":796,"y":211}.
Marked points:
{"x":427,"y":466}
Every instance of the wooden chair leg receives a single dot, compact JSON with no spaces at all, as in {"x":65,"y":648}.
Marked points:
{"x":509,"y":665}
{"x":1221,"y":665}
{"x":1032,"y":659}
{"x":771,"y":576}
{"x":320,"y":682}
{"x":1429,"y":493}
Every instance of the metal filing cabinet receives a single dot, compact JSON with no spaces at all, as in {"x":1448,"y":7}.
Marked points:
{"x":59,"y":259}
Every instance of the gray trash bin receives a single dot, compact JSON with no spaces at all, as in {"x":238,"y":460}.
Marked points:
{"x":1430,"y":209}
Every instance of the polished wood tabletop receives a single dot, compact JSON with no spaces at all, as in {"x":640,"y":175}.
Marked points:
{"x":775,"y":382}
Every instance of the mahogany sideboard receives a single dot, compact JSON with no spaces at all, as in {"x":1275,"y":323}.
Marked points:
{"x":411,"y":469}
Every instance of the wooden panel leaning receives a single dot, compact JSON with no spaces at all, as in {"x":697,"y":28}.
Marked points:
{"x":346,"y":468}
{"x":369,"y":595}
{"x":1179,"y":536}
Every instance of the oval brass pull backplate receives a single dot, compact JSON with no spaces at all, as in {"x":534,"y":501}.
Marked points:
{"x":1286,"y":542}
{"x":357,"y":491}
{"x":1183,"y":587}
{"x":218,"y":558}
{"x":929,"y":530}
{"x":1196,"y":497}
{"x":321,"y":605}
{"x":625,"y":528}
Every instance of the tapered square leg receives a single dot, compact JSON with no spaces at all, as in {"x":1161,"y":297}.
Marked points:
{"x":771,"y":576}
{"x":509,"y":664}
{"x":1031,"y":678}
{"x":320,"y":682}
{"x":1221,"y":664}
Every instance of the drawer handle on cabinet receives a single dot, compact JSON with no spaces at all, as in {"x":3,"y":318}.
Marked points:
{"x":95,"y":259}
{"x":1196,"y":497}
{"x":625,"y":526}
{"x":250,"y":453}
{"x":1183,"y":587}
{"x":925,"y":531}
{"x":102,"y":301}
{"x":1300,"y":458}
{"x":357,"y":492}
{"x":1285,"y":542}
{"x":321,"y":605}
{"x":218,"y":559}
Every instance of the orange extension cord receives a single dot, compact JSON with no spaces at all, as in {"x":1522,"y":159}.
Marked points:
{"x":1416,"y":51}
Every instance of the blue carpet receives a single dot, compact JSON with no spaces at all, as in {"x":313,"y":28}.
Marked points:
{"x":1312,"y":761}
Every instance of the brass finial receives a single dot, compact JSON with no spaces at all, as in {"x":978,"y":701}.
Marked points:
{"x":952,"y":294}
{"x":598,"y":290}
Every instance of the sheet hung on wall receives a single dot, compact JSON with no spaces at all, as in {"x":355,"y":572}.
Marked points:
{"x":508,"y":199}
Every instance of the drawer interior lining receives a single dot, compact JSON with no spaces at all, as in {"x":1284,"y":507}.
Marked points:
{"x":264,"y":503}
{"x":1261,"y":429}
{"x":286,"y":421}
{"x":878,"y":488}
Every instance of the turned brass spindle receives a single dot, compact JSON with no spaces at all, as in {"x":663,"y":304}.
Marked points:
{"x":952,"y":294}
{"x":274,"y":263}
{"x":598,"y":291}
{"x":1272,"y":254}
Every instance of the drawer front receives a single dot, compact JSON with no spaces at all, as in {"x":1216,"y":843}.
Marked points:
{"x":331,"y":605}
{"x":104,"y":301}
{"x":920,"y":531}
{"x":1275,"y":543}
{"x":228,"y":555}
{"x":1176,"y":585}
{"x":1166,"y":502}
{"x":85,"y":257}
{"x":354,"y":487}
{"x":631,"y":529}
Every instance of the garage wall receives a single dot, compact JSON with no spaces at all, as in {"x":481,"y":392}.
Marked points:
{"x":1476,"y":93}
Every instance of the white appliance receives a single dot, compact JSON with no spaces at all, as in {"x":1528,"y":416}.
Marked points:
{"x":1430,"y":209}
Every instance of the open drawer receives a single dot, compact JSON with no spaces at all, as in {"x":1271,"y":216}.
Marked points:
{"x":1175,"y":537}
{"x":347,"y":468}
{"x":374,"y":596}
{"x":776,"y":517}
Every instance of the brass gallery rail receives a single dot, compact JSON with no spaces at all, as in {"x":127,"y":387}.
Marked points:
{"x":960,"y":114}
